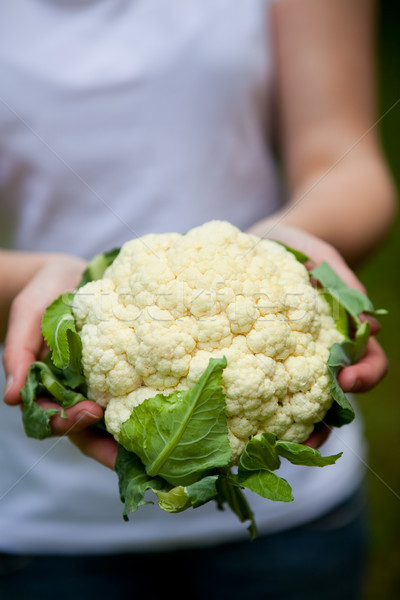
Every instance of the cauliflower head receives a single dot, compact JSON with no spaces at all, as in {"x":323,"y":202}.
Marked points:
{"x":170,"y":302}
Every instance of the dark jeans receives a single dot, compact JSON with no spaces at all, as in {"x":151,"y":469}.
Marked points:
{"x":322,"y":560}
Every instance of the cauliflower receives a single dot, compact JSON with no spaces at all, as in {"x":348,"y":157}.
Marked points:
{"x":169,"y":303}
{"x":213,"y":355}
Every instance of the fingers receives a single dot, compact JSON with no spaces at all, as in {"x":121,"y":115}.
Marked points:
{"x":77,"y":418}
{"x":375,"y":326}
{"x":318,"y":250}
{"x":102,"y":448}
{"x":95,"y":444}
{"x":23,"y":344}
{"x":324,"y":252}
{"x":319,"y":436}
{"x":361,"y":377}
{"x":367,"y":373}
{"x":76,"y":425}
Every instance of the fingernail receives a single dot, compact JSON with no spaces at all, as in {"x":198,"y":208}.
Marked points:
{"x":86,"y":417}
{"x":9,"y":384}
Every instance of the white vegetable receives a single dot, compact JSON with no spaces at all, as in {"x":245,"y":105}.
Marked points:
{"x":170,"y":302}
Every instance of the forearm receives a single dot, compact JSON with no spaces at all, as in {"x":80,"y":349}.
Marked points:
{"x":338,"y":183}
{"x":349,"y":203}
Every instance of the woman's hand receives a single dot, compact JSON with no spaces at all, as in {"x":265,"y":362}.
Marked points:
{"x":24,"y":345}
{"x":368,"y":372}
{"x":24,"y":342}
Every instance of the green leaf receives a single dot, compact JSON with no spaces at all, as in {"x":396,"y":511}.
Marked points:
{"x":134,"y":481}
{"x":260,"y":453}
{"x":41,"y":380}
{"x":266,"y":484}
{"x":57,"y":321}
{"x":230,"y":493}
{"x":381,"y":311}
{"x":59,"y":331}
{"x":342,"y":355}
{"x":35,"y":419}
{"x":261,"y":457}
{"x":202,"y":491}
{"x":298,"y":454}
{"x":257,"y":463}
{"x":50,"y":383}
{"x":175,"y":500}
{"x":355,"y":349}
{"x":338,"y":312}
{"x":181,"y":498}
{"x":182,"y":436}
{"x":97,"y":266}
{"x":353,"y":300}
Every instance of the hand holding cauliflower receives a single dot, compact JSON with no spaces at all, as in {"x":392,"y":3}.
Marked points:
{"x":216,"y":329}
{"x":169,"y":303}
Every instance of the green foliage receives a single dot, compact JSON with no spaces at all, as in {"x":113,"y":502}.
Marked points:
{"x":97,"y":266}
{"x":182,"y":436}
{"x":133,"y":481}
{"x":59,"y":332}
{"x":262,"y":456}
{"x":346,"y":305}
{"x":352,"y":300}
{"x":41,"y":380}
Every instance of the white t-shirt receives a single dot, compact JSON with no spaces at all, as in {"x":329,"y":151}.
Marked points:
{"x":119,"y":119}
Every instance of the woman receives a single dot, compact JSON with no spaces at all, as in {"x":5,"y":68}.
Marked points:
{"x":141,"y":117}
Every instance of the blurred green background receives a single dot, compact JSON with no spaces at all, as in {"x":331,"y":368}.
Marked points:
{"x":381,"y":407}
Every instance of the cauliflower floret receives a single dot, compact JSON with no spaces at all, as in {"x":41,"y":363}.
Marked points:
{"x":119,"y":408}
{"x":168,"y":303}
